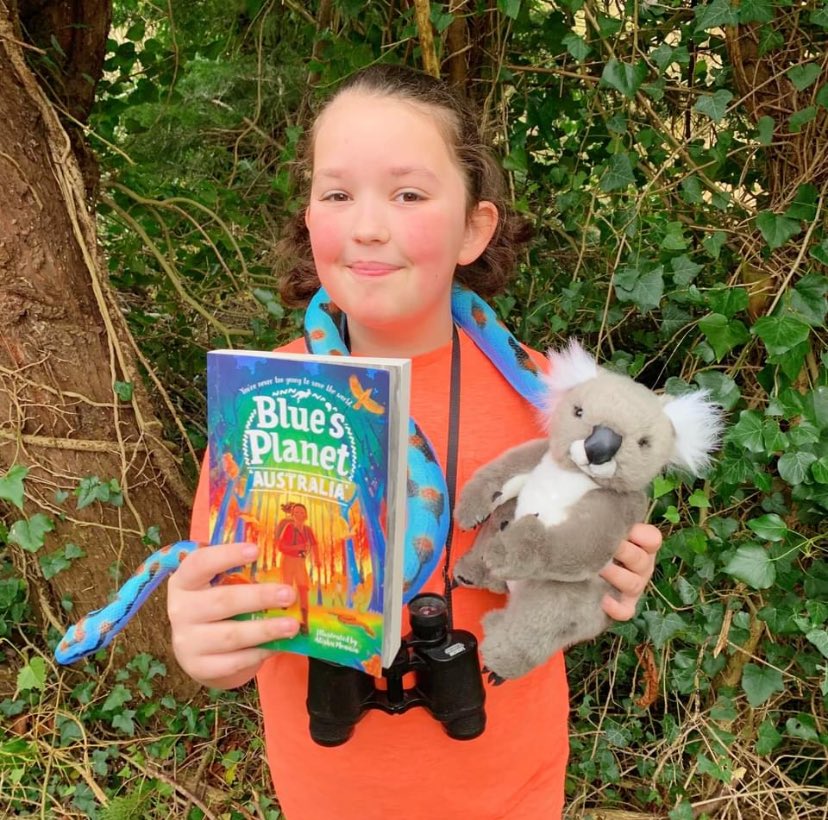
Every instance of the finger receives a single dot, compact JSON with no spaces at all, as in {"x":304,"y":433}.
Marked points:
{"x":618,"y":610}
{"x":229,"y":664}
{"x":626,"y":582}
{"x":225,"y":601}
{"x":232,"y":636}
{"x":646,"y":536}
{"x":634,"y":558}
{"x":202,"y":565}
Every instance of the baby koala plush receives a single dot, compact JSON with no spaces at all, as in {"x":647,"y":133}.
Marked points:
{"x":553,"y":511}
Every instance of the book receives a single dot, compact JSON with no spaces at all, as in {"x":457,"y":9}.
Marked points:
{"x":308,"y":459}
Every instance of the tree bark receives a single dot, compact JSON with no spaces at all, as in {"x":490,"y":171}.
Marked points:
{"x":64,"y":345}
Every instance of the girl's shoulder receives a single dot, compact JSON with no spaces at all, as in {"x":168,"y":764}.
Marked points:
{"x":296,"y":345}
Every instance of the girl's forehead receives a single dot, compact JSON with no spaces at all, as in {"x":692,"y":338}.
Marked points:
{"x":356,"y":111}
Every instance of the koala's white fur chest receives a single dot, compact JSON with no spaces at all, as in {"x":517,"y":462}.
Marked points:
{"x":548,"y":491}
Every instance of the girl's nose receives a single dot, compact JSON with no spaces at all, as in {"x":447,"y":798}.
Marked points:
{"x":369,"y":226}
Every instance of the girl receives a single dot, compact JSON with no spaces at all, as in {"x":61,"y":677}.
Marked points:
{"x":403,"y":198}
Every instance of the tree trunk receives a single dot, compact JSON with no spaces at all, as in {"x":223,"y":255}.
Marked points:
{"x":64,"y":346}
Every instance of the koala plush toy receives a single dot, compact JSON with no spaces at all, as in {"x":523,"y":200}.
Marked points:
{"x":553,"y":511}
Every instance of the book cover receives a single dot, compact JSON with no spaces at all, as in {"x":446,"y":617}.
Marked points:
{"x":308,"y":460}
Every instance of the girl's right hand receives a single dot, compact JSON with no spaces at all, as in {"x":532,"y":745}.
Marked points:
{"x":211,"y":647}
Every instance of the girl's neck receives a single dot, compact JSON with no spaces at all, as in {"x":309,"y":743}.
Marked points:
{"x":404,"y":342}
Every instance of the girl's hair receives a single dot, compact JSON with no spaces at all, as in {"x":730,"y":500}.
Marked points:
{"x":490,"y":273}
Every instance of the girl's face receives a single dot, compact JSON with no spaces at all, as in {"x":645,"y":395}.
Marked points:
{"x":388,"y":222}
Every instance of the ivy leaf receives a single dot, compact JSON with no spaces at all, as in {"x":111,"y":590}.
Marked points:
{"x":53,"y":564}
{"x":714,"y":105}
{"x":819,"y":638}
{"x":662,"y":56}
{"x":769,"y":527}
{"x":698,"y":499}
{"x":32,"y":675}
{"x":644,"y":289}
{"x":804,"y":75}
{"x":719,"y":770}
{"x":124,"y":722}
{"x":576,"y":46}
{"x":808,"y":299}
{"x":819,"y":470}
{"x":31,"y":534}
{"x":752,"y":565}
{"x":780,"y":333}
{"x":11,"y":485}
{"x":117,"y":698}
{"x":624,"y":77}
{"x":801,"y":726}
{"x":820,"y":17}
{"x":755,"y":11}
{"x":804,"y":205}
{"x":714,"y":243}
{"x":800,"y":118}
{"x":793,"y":467}
{"x":764,"y":130}
{"x":691,"y":190}
{"x":685,"y":269}
{"x":728,"y":300}
{"x":662,"y":628}
{"x":717,"y":14}
{"x":760,"y":682}
{"x":747,"y":432}
{"x":619,"y":173}
{"x":767,"y":738}
{"x":776,"y":229}
{"x":723,"y":390}
{"x":723,"y":334}
{"x":123,"y":390}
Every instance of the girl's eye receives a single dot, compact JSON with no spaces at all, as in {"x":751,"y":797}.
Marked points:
{"x":409,"y":196}
{"x":578,"y":411}
{"x":335,"y":196}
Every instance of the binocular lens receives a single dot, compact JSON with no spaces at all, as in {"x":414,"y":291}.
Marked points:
{"x":429,"y":616}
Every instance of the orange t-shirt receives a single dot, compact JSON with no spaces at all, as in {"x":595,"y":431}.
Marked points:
{"x":405,"y":765}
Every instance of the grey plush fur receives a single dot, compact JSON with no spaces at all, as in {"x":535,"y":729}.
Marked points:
{"x":554,"y":511}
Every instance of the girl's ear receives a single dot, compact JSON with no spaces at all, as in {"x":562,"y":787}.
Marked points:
{"x":480,"y":228}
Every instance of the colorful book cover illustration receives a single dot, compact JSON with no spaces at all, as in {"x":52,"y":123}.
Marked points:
{"x":308,"y":460}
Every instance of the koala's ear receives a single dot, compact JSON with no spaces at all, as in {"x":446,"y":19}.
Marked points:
{"x":569,"y":367}
{"x":697,"y":424}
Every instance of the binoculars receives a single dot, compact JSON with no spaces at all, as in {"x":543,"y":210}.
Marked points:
{"x":446,"y":672}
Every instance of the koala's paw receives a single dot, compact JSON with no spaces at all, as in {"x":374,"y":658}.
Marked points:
{"x":471,"y":571}
{"x":493,"y":677}
{"x":474,"y":508}
{"x":495,"y":557}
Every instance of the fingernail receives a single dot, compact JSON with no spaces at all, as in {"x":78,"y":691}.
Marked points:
{"x":284,"y":598}
{"x":250,"y":551}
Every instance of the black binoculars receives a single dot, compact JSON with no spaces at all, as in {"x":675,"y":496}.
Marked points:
{"x":446,"y":672}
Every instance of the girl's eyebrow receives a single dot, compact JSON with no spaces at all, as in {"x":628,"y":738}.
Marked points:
{"x":395,"y":171}
{"x":412,"y":170}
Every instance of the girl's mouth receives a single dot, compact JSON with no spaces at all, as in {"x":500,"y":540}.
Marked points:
{"x":372,"y":268}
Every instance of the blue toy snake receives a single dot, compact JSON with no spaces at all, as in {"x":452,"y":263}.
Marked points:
{"x":428,"y":514}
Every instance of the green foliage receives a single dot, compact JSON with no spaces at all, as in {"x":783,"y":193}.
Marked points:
{"x":676,"y":235}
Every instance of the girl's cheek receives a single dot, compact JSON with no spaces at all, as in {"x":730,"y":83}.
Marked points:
{"x":324,"y":237}
{"x":431,"y":236}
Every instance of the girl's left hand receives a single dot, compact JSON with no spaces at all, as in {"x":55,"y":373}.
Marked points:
{"x":631,"y":570}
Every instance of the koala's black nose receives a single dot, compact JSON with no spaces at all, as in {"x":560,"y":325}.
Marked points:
{"x":602,"y":444}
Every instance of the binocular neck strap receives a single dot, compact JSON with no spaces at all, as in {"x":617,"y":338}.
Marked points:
{"x":451,"y":462}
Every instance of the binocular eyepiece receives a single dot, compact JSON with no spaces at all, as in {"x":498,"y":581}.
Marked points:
{"x":447,"y":680}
